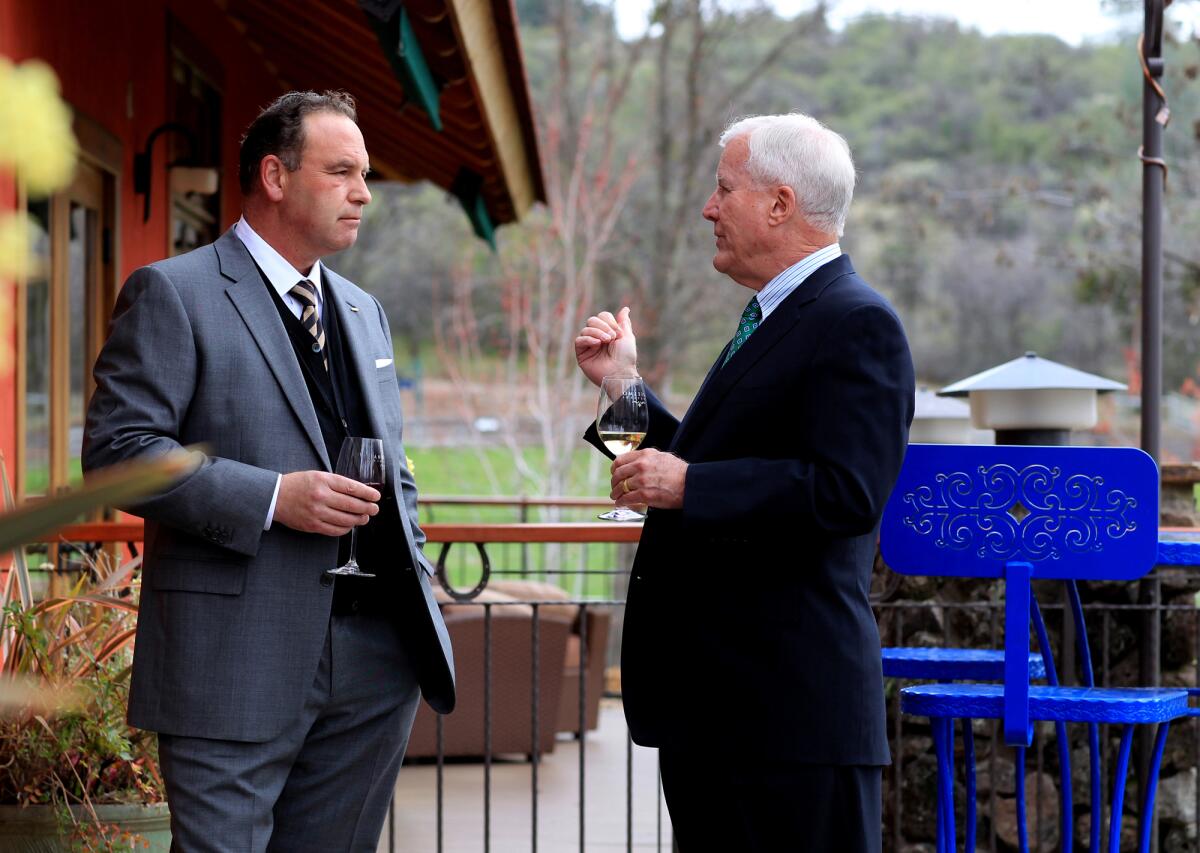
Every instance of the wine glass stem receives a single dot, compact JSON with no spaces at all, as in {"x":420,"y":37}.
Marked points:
{"x":353,"y":547}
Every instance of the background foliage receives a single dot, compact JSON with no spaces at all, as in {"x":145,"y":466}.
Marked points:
{"x":998,"y":204}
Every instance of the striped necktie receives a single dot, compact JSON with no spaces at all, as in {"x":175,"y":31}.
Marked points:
{"x":751,"y":317}
{"x":306,"y":292}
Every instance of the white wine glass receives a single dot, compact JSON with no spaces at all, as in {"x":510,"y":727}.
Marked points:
{"x":622,"y":419}
{"x":359,"y":459}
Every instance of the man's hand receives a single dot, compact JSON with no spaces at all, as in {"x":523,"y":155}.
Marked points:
{"x":648,"y":477}
{"x":606,"y":346}
{"x":320,"y":502}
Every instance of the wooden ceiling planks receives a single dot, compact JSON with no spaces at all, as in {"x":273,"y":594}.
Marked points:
{"x":328,"y":44}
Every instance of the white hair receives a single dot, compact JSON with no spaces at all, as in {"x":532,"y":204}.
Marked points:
{"x":800,"y":152}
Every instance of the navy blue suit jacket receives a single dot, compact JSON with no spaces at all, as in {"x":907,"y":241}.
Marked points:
{"x":748,"y":629}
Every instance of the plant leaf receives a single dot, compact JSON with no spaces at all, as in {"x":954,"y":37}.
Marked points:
{"x":116,"y":485}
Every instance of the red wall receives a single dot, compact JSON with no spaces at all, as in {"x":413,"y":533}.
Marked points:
{"x":111,"y":59}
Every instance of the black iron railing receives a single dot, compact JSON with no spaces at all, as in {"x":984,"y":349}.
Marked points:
{"x":591,"y":561}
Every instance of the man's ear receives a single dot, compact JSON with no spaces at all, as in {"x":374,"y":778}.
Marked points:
{"x":273,"y":176}
{"x":783,"y":207}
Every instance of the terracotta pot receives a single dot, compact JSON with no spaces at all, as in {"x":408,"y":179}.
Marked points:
{"x":35,"y":829}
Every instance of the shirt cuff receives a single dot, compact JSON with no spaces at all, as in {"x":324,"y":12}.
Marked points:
{"x":274,"y":498}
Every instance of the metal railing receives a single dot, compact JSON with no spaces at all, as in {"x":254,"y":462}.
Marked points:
{"x":472,"y":557}
{"x":483,"y":566}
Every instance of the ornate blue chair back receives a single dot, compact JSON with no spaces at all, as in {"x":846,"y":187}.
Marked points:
{"x":1019,"y":513}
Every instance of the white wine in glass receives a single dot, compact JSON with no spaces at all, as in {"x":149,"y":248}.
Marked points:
{"x":622,"y":442}
{"x":622,"y":419}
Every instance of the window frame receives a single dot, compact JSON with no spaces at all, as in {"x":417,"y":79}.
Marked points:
{"x":95,"y":185}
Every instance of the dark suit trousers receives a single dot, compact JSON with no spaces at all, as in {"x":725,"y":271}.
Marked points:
{"x":733,"y":806}
{"x":326,"y":781}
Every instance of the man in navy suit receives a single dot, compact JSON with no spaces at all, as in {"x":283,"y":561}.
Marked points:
{"x":750,"y":655}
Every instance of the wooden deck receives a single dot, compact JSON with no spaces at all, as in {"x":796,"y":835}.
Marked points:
{"x":415,"y":825}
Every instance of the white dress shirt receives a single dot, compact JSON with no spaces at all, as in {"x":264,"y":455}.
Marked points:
{"x":283,"y":277}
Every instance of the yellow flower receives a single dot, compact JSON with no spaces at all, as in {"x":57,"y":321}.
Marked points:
{"x":16,"y":240}
{"x":35,"y":127}
{"x":411,"y":467}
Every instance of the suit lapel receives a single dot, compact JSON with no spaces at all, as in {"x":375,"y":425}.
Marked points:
{"x":252,"y":301}
{"x":358,"y":328}
{"x":356,"y":337}
{"x":721,"y":380}
{"x":687,"y":416}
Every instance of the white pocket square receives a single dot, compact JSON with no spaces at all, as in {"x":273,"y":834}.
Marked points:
{"x":382,"y":362}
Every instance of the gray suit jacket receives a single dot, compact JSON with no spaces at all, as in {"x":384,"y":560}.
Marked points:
{"x":233,"y":617}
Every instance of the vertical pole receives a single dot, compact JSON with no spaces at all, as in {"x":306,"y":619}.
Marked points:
{"x":1154,"y":118}
{"x":583,"y":656}
{"x":535,"y":736}
{"x":525,"y":545}
{"x":628,"y":791}
{"x":1153,"y":180}
{"x":487,"y":727}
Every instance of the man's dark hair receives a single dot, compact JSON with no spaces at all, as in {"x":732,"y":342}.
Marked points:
{"x":279,"y":130}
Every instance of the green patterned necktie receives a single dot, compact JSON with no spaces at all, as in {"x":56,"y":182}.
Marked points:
{"x":751,"y":317}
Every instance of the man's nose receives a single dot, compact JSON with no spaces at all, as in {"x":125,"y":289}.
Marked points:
{"x":361,"y":193}
{"x":710,"y":209}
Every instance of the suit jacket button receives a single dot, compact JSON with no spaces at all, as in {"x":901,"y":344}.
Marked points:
{"x":326,"y":580}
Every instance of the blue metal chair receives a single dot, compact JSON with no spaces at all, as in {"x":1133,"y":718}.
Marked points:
{"x":945,"y":665}
{"x":1179,"y":549}
{"x":1020,"y":513}
{"x":918,"y":663}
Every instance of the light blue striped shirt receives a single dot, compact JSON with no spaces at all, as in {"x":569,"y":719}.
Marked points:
{"x":780,"y":287}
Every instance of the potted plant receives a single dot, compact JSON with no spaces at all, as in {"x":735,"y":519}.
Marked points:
{"x":78,"y":777}
{"x":73,"y":773}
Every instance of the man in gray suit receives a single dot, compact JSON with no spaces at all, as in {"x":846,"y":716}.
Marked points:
{"x":282,"y":698}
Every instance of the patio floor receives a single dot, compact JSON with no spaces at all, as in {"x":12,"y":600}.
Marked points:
{"x":558,"y":800}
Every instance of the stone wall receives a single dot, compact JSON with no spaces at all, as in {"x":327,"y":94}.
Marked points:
{"x":1180,"y":506}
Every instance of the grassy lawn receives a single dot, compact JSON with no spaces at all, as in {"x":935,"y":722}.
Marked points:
{"x":444,"y":471}
{"x":37,"y":478}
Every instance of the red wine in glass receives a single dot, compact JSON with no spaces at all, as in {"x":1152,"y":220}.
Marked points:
{"x":359,"y":459}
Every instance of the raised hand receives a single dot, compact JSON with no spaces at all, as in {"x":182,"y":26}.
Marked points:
{"x":606,"y":346}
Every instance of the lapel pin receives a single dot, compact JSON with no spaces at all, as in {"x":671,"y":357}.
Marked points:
{"x":353,"y":308}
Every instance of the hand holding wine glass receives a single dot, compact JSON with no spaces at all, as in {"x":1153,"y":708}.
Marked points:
{"x":360,"y":459}
{"x":622,"y":419}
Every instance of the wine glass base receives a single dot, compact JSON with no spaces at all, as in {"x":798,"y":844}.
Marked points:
{"x":349,"y":571}
{"x":621,"y":514}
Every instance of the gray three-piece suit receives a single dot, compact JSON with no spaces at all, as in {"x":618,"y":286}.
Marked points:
{"x":241,"y":637}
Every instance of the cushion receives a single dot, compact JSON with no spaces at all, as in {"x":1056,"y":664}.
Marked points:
{"x":502,"y":601}
{"x":527,"y":590}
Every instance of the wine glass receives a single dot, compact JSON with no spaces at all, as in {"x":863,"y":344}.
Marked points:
{"x":359,"y":459}
{"x":622,"y":419}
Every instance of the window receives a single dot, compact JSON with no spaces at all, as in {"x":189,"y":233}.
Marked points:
{"x":64,"y":308}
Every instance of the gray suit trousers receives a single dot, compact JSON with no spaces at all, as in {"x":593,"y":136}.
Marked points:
{"x":326,"y":782}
